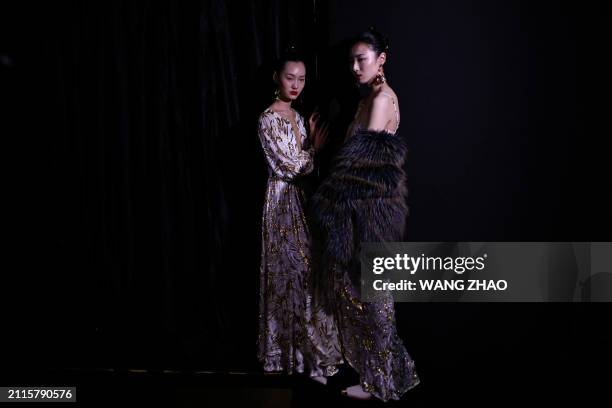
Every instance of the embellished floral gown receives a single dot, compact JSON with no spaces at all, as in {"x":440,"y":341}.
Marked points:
{"x":294,"y":334}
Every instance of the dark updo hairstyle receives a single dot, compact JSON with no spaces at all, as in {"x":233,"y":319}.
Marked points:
{"x":290,"y":54}
{"x":377,"y":41}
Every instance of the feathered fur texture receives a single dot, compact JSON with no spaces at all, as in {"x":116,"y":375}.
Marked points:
{"x":364,"y":197}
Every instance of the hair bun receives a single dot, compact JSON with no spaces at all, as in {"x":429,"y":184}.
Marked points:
{"x":382,"y":41}
{"x":288,"y":53}
{"x":290,"y":49}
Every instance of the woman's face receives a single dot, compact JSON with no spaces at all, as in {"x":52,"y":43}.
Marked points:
{"x":291,"y":80}
{"x":364,"y":62}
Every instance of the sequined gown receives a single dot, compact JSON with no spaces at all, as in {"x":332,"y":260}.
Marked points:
{"x":294,"y":334}
{"x":363,"y":200}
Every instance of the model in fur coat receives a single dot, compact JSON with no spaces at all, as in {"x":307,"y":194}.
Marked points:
{"x":363,"y":200}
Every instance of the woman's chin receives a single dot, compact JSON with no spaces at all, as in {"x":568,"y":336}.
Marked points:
{"x":288,"y":98}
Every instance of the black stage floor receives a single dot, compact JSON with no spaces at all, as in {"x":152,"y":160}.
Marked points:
{"x":200,"y":388}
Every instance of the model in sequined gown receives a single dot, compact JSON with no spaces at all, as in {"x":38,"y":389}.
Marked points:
{"x":363,"y":200}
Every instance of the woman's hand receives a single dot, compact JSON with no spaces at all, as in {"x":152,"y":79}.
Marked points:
{"x":318,"y":130}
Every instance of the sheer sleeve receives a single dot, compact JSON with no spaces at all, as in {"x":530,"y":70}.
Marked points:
{"x":285,"y":162}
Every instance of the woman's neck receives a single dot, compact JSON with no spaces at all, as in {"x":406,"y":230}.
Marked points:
{"x":368,"y":89}
{"x":281,"y":105}
{"x":374,"y":86}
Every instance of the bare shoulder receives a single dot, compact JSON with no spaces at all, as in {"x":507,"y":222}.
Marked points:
{"x":380,"y":101}
{"x":386,"y":93}
{"x":384,"y":98}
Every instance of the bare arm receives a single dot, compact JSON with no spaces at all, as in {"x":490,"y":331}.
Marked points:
{"x":379,"y":114}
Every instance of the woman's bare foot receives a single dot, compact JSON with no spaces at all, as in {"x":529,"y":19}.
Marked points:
{"x":356,"y":392}
{"x":320,"y":379}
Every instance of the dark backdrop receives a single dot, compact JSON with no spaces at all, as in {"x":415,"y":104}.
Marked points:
{"x":140,"y":178}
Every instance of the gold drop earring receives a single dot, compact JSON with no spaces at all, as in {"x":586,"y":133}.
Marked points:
{"x":276,"y":95}
{"x":380,"y":77}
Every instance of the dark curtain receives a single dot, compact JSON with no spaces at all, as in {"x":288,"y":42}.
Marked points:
{"x":148,"y":205}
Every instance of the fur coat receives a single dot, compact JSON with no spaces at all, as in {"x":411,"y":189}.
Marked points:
{"x":364,"y":197}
